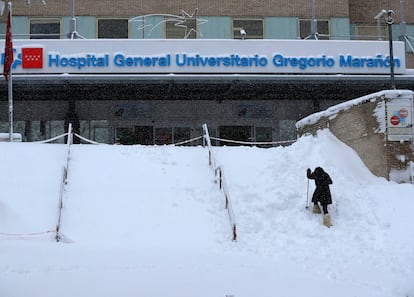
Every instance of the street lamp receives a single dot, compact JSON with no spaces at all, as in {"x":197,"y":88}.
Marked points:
{"x":73,"y":33}
{"x":389,"y":20}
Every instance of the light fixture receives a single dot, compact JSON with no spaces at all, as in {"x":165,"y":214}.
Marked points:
{"x":242,"y":33}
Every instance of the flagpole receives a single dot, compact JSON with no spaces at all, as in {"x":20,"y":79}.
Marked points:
{"x":10,"y":90}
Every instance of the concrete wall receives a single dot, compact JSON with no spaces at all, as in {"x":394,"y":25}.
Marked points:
{"x":360,"y":125}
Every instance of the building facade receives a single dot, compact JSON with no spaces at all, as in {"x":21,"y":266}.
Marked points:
{"x":166,"y":104}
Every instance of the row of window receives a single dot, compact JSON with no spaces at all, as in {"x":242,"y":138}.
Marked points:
{"x":119,"y":28}
{"x":101,"y":131}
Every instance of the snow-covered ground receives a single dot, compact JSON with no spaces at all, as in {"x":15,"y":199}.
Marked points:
{"x":150,"y":221}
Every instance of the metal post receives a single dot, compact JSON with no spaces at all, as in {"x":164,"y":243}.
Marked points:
{"x":403,"y":24}
{"x":314,"y":23}
{"x":73,"y":33}
{"x":10,"y":90}
{"x":389,"y":19}
{"x":10,"y":95}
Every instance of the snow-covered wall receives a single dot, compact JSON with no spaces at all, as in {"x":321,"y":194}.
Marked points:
{"x":384,"y":145}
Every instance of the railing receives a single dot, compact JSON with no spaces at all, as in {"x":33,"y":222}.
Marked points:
{"x":63,"y":182}
{"x":219,"y":174}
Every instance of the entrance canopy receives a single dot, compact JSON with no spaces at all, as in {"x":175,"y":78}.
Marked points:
{"x":202,"y":87}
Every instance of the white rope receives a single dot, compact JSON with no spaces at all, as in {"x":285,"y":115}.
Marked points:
{"x":52,"y":139}
{"x":86,"y":140}
{"x":254,"y":143}
{"x":187,"y":141}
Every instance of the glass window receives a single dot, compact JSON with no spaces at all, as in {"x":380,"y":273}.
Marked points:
{"x":263,"y":134}
{"x":144,"y":135}
{"x":287,"y":130}
{"x":125,"y":136}
{"x":322,"y":29}
{"x":368,"y":32}
{"x":112,"y":28}
{"x":237,"y":133}
{"x":185,"y":28}
{"x":101,"y":134}
{"x":181,"y":134}
{"x":100,"y":131}
{"x":163,"y":135}
{"x":44,"y":28}
{"x":252,"y":27}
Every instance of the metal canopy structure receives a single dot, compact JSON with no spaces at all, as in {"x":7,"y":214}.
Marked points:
{"x":201,"y":87}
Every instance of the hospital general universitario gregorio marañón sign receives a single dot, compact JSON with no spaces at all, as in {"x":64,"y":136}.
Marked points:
{"x":205,"y":56}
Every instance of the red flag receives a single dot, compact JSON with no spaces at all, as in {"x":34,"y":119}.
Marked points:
{"x":8,"y":50}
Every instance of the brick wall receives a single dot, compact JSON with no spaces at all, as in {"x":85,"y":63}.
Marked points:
{"x":363,"y":12}
{"x":299,"y":8}
{"x":359,"y":12}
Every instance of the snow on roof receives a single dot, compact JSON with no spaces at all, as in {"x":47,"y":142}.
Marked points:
{"x":333,"y":110}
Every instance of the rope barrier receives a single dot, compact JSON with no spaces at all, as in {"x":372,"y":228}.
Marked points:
{"x":27,"y":234}
{"x":179,"y":143}
{"x":52,"y":139}
{"x":188,"y":141}
{"x":254,"y":143}
{"x":86,"y":139}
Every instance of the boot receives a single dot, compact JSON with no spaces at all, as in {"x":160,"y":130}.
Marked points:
{"x":316,"y":208}
{"x":327,"y":220}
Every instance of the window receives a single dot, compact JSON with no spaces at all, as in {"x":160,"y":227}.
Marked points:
{"x":370,"y":32}
{"x":112,"y":28}
{"x":144,"y":135}
{"x":125,"y":136}
{"x":181,"y":134}
{"x":181,"y":28}
{"x":263,"y":134}
{"x":322,"y":29}
{"x":252,"y":27}
{"x":237,"y":133}
{"x":44,"y":28}
{"x":287,"y":130}
{"x":163,"y":136}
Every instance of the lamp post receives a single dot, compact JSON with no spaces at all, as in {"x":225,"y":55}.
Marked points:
{"x":314,"y":22}
{"x":389,"y":19}
{"x":73,"y":33}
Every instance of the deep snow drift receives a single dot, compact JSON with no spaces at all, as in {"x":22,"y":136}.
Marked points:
{"x":150,"y":221}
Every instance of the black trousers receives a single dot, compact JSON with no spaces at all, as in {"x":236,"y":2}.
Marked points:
{"x":324,"y":207}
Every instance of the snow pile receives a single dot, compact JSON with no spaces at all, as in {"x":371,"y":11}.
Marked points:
{"x":332,"y":111}
{"x":150,"y":221}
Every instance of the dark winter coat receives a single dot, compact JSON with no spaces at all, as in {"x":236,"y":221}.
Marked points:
{"x":322,"y":192}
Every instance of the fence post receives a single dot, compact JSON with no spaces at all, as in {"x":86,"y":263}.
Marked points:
{"x":64,"y":181}
{"x":234,"y":233}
